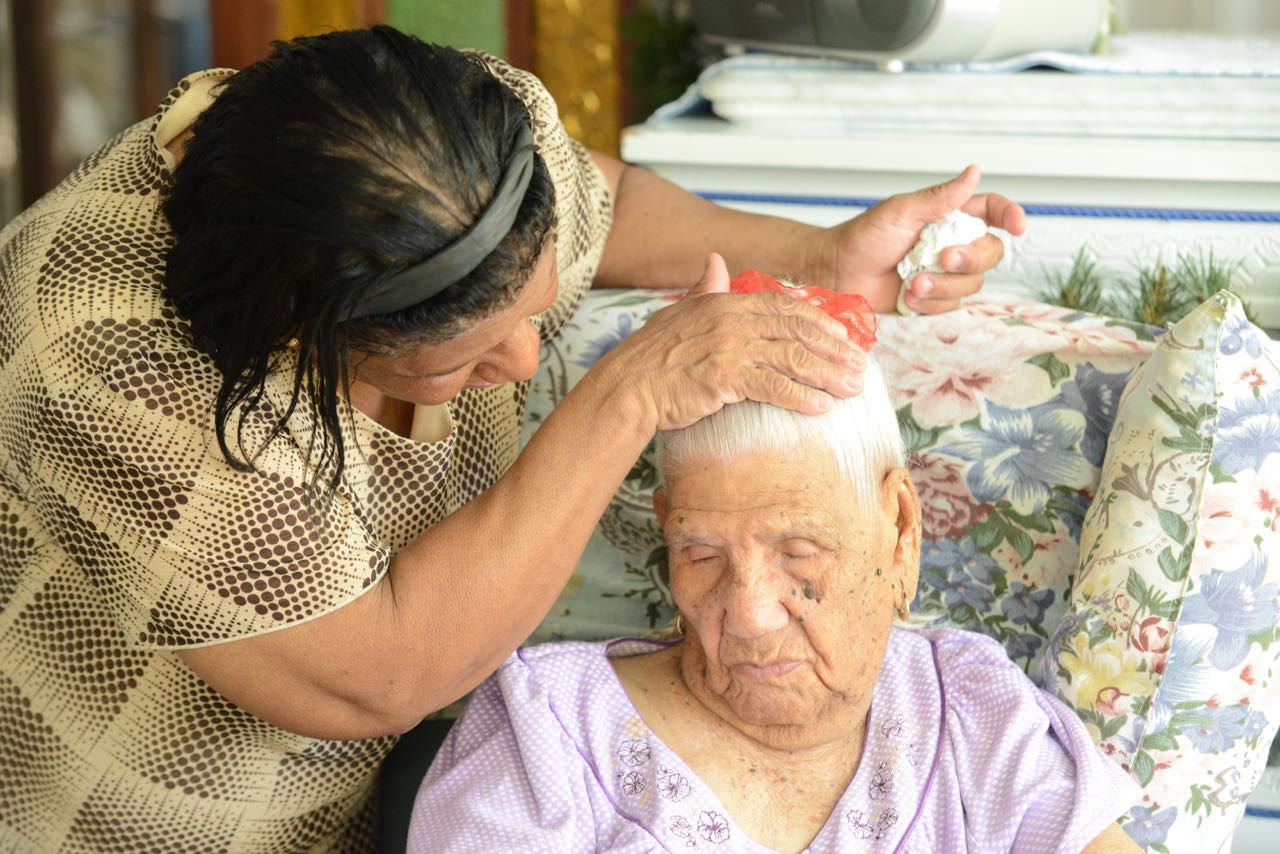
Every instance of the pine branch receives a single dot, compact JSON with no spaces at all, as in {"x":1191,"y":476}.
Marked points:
{"x":1081,"y":289}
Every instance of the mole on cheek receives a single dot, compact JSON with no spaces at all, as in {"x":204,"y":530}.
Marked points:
{"x":879,"y":572}
{"x":809,"y":592}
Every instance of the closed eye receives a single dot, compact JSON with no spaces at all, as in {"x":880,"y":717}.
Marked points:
{"x":701,"y":555}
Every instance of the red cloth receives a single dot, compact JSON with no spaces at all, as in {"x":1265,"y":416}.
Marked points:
{"x":850,"y":309}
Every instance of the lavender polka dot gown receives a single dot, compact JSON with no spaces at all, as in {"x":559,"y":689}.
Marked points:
{"x":963,"y":754}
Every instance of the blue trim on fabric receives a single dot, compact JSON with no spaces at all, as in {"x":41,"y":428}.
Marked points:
{"x":1095,"y":211}
{"x":1262,"y":812}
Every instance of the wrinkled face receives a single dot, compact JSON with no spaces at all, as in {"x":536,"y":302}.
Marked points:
{"x":787,"y":587}
{"x":502,"y":347}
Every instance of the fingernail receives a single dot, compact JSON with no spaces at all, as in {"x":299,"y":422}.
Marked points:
{"x":924,"y":287}
{"x":857,"y":359}
{"x":824,"y":403}
{"x":954,"y":263}
{"x":852,"y":383}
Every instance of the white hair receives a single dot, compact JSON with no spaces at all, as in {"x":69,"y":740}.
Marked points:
{"x":860,"y":433}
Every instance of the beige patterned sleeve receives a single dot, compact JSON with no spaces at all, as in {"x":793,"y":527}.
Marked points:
{"x":584,"y":209}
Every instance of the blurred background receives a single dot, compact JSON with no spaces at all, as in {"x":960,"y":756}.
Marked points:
{"x":75,"y":72}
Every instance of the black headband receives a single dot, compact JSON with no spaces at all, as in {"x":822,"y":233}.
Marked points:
{"x":424,"y":280}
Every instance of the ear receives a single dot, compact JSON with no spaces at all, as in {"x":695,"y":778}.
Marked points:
{"x":901,"y":504}
{"x":660,"y":505}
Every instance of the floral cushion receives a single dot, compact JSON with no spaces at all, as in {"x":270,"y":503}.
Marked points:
{"x":1169,"y":647}
{"x":1005,"y":408}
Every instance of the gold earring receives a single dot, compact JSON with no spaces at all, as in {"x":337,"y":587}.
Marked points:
{"x":679,"y":625}
{"x":293,"y":344}
{"x":904,"y":611}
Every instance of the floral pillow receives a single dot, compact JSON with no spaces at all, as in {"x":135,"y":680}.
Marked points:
{"x":1169,"y":648}
{"x":1005,"y":407}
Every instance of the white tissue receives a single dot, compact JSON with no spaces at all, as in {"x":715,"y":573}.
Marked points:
{"x":954,"y":229}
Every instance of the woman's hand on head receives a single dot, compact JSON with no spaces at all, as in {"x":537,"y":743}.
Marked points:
{"x":861,"y":255}
{"x":714,"y":348}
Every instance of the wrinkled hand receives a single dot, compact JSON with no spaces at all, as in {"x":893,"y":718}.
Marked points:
{"x":861,"y":255}
{"x":713,"y":348}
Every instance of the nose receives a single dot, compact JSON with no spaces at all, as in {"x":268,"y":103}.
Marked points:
{"x":514,"y":359}
{"x":754,"y":605}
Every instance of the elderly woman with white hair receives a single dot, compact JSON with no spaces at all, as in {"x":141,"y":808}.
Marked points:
{"x":792,"y":715}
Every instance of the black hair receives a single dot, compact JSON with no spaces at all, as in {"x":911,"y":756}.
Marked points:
{"x":318,"y":172}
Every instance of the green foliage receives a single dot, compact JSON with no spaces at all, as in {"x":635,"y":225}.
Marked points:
{"x":1081,"y":288}
{"x":1199,"y":802}
{"x":664,"y":54}
{"x":657,"y":609}
{"x":914,"y":436}
{"x":1144,"y":767}
{"x":1053,"y":366}
{"x":1155,"y":297}
{"x":1158,"y":294}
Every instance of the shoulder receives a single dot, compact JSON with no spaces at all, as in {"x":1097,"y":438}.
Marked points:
{"x":970,"y":664}
{"x":961,"y":660}
{"x":537,"y":675}
{"x":1027,"y":772}
{"x":985,"y":691}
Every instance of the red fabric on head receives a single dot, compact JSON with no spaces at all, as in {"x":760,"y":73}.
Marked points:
{"x":850,"y":309}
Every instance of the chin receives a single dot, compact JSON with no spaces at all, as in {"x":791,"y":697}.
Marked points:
{"x":772,"y":708}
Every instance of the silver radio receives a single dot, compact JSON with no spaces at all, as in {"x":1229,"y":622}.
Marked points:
{"x":928,"y":31}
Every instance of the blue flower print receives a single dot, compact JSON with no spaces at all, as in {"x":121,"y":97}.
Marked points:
{"x":1097,"y":394}
{"x":1238,"y":333}
{"x":958,"y":556}
{"x":1229,"y":723}
{"x":961,"y":573}
{"x":1147,"y":828}
{"x":1022,"y":645}
{"x":1022,"y":454}
{"x":961,"y":590}
{"x":1187,"y":677}
{"x":1248,"y":430}
{"x":598,"y":348}
{"x":1237,"y":604}
{"x":1025,"y":605}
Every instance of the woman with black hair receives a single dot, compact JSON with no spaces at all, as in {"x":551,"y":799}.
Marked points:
{"x":263,"y":363}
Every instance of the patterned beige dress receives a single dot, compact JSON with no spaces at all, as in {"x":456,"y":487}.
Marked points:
{"x":124,"y":534}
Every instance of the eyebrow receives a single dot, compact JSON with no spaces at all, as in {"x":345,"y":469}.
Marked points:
{"x":681,"y":539}
{"x":818,"y":533}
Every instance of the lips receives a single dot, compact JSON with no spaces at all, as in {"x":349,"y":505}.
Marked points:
{"x":764,"y":671}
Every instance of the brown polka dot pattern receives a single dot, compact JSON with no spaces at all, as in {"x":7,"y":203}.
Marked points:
{"x":125,"y":535}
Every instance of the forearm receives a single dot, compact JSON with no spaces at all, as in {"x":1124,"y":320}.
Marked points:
{"x":518,"y":543}
{"x":456,"y":601}
{"x":661,"y":234}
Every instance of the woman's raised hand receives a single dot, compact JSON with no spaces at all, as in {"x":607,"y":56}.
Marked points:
{"x":714,"y":348}
{"x":861,"y":256}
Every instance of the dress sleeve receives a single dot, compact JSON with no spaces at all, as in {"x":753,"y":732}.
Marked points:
{"x":1031,"y":778}
{"x":505,"y":779}
{"x":184,"y":549}
{"x":584,"y":209}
